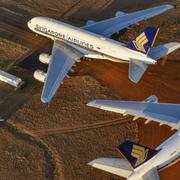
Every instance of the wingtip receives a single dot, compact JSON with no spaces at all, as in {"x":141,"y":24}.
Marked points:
{"x":90,"y":163}
{"x":170,"y":6}
{"x":174,"y":6}
{"x":133,"y":78}
{"x":95,"y":162}
{"x":92,"y":104}
{"x":45,"y":100}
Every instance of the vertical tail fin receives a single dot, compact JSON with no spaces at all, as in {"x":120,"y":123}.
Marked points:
{"x":136,"y":154}
{"x":144,"y":41}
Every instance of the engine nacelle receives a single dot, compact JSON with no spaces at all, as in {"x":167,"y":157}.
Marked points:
{"x":44,"y":58}
{"x":40,"y":75}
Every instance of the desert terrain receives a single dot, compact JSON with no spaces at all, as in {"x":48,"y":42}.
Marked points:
{"x":57,"y":142}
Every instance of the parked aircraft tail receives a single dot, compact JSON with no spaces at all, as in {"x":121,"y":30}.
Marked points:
{"x":136,"y":154}
{"x":137,"y":68}
{"x":144,"y":41}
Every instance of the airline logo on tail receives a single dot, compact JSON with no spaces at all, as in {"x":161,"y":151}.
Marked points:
{"x":140,"y":42}
{"x":136,"y":154}
{"x":144,"y":41}
{"x":140,"y":153}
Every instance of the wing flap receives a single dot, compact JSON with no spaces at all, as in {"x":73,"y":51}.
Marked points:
{"x":113,"y":25}
{"x":62,"y":59}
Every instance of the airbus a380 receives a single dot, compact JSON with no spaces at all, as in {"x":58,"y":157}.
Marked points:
{"x":93,"y":41}
{"x":140,"y":162}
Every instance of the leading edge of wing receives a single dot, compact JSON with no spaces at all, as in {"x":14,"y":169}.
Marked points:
{"x":62,"y":59}
{"x":113,"y":25}
{"x":164,"y":113}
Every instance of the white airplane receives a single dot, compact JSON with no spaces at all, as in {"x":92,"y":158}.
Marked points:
{"x":140,"y":162}
{"x":93,"y":41}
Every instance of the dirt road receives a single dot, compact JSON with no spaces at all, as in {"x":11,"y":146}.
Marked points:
{"x":101,"y":138}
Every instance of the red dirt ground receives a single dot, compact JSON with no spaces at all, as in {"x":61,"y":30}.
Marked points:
{"x":164,"y":81}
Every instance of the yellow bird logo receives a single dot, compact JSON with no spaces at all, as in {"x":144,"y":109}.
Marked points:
{"x":140,"y":153}
{"x":140,"y":41}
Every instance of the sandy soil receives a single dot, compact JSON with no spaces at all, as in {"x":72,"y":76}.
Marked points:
{"x":84,"y":133}
{"x":77,"y":149}
{"x":70,"y":120}
{"x":19,"y":158}
{"x":72,"y":109}
{"x":7,"y":59}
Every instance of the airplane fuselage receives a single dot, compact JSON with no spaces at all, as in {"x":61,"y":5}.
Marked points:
{"x":169,"y":151}
{"x":56,"y":30}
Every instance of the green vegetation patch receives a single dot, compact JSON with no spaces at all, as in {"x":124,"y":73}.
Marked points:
{"x":15,"y":45}
{"x":10,"y":53}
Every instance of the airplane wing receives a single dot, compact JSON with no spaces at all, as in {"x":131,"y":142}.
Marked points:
{"x":123,"y":20}
{"x":115,"y":166}
{"x":63,"y":58}
{"x":163,"y":113}
{"x":151,"y":175}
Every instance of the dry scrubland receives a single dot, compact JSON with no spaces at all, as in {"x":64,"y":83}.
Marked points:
{"x":76,"y":149}
{"x":57,"y":142}
{"x":10,"y":52}
{"x":75,"y":132}
{"x":19,"y":158}
{"x":67,"y":108}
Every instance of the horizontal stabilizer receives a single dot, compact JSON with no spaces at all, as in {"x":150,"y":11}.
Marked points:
{"x":144,"y":41}
{"x":136,"y":154}
{"x":163,"y":50}
{"x":136,"y":70}
{"x":115,"y":166}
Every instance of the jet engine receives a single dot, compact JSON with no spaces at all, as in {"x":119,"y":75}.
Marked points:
{"x":40,"y":75}
{"x":45,"y":58}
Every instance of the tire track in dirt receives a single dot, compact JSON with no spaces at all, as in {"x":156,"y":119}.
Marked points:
{"x":70,"y":9}
{"x":65,"y":130}
{"x":107,"y":4}
{"x":51,"y":155}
